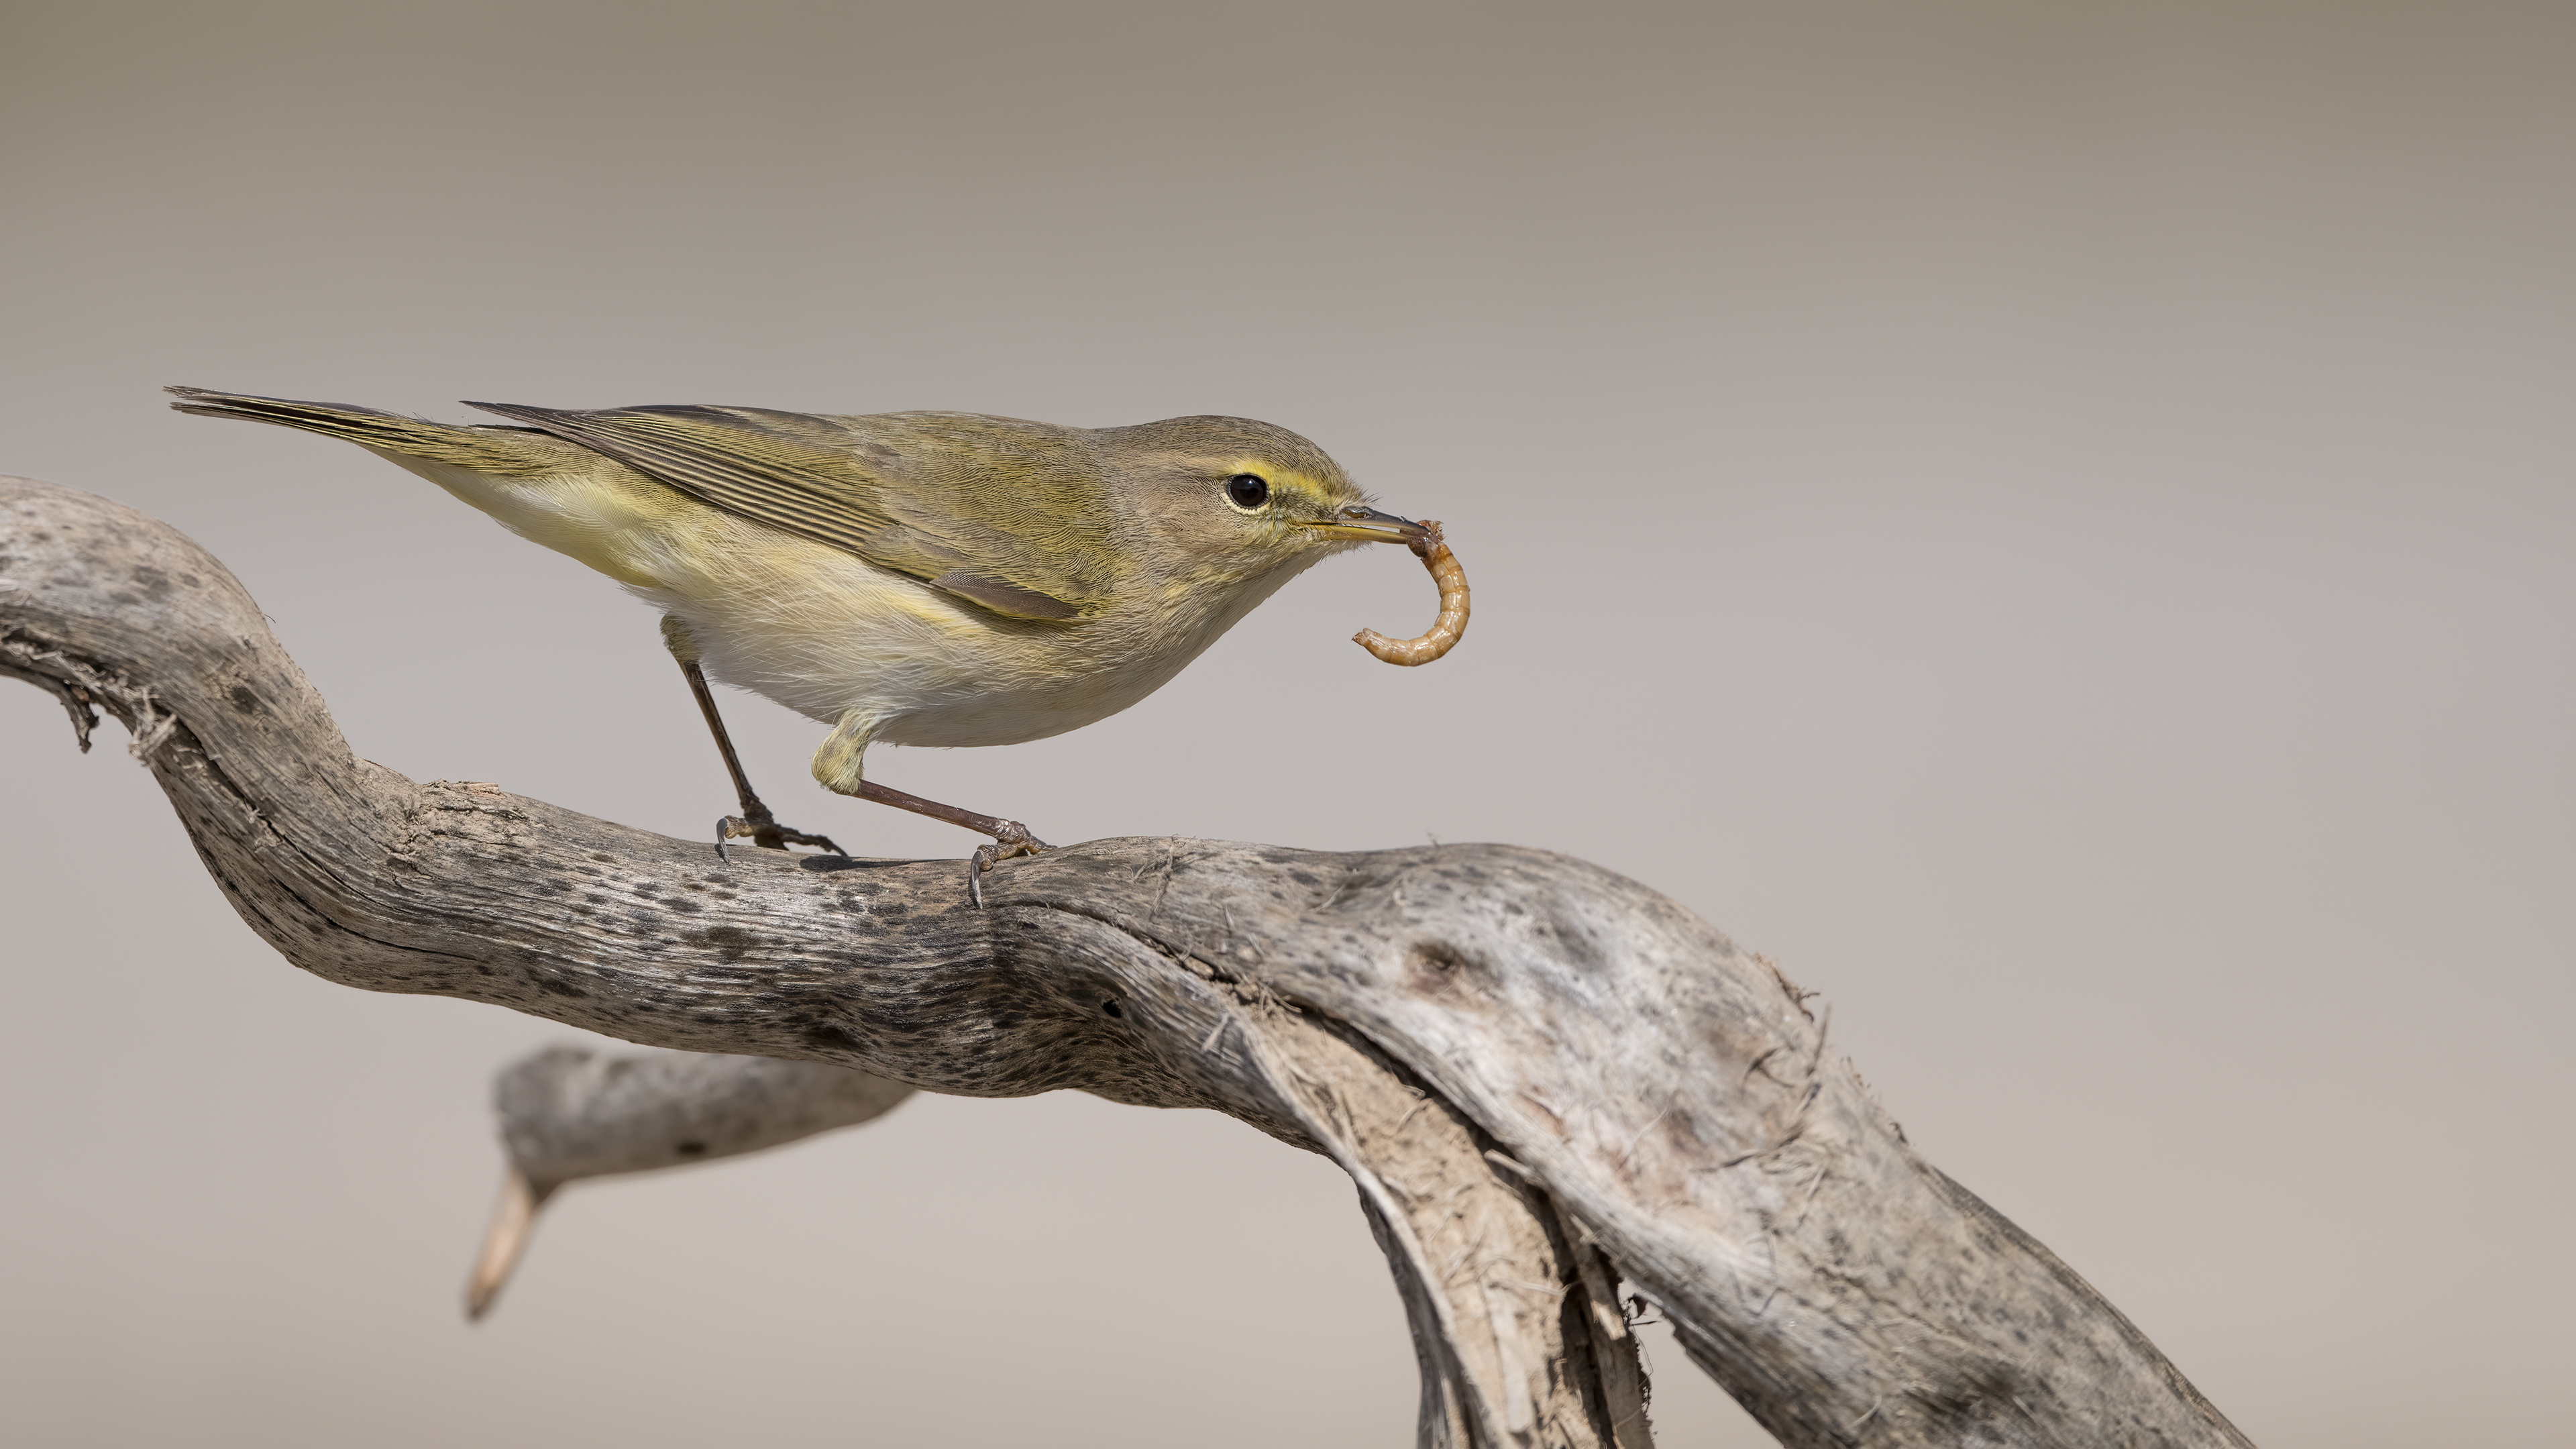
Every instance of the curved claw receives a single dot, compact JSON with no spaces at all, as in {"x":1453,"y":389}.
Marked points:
{"x":768,"y":835}
{"x":1004,"y":847}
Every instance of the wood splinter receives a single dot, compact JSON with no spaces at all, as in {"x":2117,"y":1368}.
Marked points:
{"x":1445,"y":631}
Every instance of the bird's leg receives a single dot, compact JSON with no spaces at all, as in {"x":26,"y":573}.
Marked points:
{"x":838,"y":765}
{"x":1010,"y":837}
{"x":755,"y":821}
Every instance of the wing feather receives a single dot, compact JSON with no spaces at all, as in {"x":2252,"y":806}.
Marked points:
{"x":814,"y":477}
{"x":731,"y":462}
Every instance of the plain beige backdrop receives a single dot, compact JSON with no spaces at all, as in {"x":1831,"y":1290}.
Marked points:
{"x":2053,"y":521}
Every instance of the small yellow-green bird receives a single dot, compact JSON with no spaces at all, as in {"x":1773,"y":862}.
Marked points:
{"x":921,"y":578}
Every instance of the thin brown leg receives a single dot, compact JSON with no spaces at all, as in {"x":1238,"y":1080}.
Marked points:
{"x":1010,"y":837}
{"x":755,"y":821}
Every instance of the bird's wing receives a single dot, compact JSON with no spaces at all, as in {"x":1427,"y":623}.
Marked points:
{"x":814,"y":477}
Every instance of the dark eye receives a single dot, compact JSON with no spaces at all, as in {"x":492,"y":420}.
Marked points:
{"x":1248,"y":490}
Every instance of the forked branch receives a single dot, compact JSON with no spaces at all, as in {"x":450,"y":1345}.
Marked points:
{"x":1544,"y":1078}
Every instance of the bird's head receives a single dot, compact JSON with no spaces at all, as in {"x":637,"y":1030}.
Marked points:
{"x":1229,"y":502}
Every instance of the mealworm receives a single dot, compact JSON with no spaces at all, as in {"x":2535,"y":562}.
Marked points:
{"x":1444,"y":633}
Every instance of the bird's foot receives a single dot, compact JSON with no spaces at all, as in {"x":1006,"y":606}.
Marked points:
{"x":1010,"y":839}
{"x":765,"y":832}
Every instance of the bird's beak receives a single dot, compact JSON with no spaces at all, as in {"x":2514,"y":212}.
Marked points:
{"x":1370,"y":526}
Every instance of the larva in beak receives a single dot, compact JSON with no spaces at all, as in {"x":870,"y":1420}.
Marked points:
{"x":1445,"y":631}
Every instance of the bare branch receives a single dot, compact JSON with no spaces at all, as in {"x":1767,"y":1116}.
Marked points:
{"x":568,"y":1113}
{"x":1520,"y":1058}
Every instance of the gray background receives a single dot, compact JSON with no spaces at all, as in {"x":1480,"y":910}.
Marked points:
{"x":2052,"y":521}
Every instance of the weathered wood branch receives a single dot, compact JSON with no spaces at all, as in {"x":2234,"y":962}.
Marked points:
{"x":1542,"y":1076}
{"x":568,"y":1113}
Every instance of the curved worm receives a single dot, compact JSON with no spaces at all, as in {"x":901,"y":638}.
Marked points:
{"x":1444,"y":633}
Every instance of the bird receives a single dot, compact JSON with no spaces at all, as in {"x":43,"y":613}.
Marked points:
{"x":915,"y":578}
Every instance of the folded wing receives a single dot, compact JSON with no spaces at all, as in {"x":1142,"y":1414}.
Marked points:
{"x":1015,"y":536}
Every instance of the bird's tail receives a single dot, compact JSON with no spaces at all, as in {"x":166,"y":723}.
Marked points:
{"x":499,"y":451}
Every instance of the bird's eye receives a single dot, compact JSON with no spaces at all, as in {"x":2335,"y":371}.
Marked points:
{"x":1248,"y":490}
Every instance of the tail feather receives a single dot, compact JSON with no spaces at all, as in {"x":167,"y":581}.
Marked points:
{"x":504,"y":452}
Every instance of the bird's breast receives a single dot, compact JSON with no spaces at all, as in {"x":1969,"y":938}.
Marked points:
{"x":828,"y":634}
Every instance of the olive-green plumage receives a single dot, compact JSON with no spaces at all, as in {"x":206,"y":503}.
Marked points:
{"x":920,"y":578}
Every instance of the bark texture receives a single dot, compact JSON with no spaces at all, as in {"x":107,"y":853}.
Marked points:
{"x":1543,"y":1077}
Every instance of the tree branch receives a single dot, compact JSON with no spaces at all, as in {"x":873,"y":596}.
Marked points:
{"x":1542,"y":1076}
{"x":568,"y":1113}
